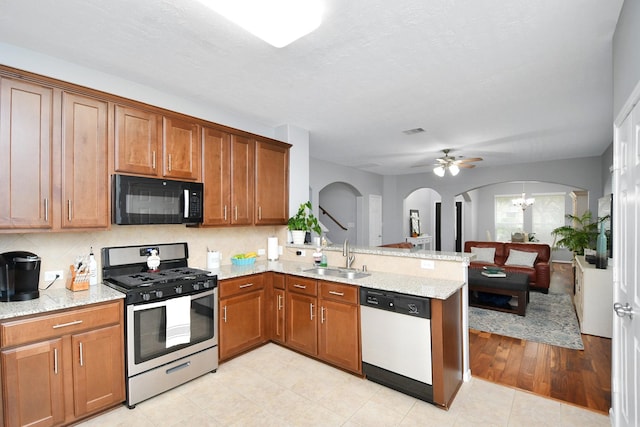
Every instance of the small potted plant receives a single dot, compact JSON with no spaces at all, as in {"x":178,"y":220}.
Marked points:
{"x":302,"y":222}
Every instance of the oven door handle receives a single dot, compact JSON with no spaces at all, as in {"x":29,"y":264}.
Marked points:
{"x":150,"y":305}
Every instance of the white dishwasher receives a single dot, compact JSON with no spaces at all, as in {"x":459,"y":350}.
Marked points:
{"x":396,"y":341}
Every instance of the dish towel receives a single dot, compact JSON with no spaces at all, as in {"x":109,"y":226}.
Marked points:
{"x":178,"y":321}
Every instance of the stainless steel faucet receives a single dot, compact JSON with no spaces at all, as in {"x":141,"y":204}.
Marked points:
{"x":347,"y":253}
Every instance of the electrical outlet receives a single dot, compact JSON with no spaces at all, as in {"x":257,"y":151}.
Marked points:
{"x":427,"y":264}
{"x":280,"y":250}
{"x":51,"y":275}
{"x":301,"y":252}
{"x":261,"y":252}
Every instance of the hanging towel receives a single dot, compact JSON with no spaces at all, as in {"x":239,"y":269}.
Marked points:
{"x":178,"y":321}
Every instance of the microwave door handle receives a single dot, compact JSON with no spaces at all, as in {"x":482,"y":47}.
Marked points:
{"x":186,"y":203}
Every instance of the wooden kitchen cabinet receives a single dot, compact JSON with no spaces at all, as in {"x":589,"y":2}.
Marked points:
{"x":216,"y":176}
{"x":26,"y":129}
{"x":242,"y":170}
{"x":300,"y":310}
{"x":60,"y":367}
{"x":241,"y":315}
{"x":137,"y":143}
{"x":339,"y":334}
{"x":272,"y":182}
{"x":277,"y":318}
{"x":85,"y":189}
{"x":181,"y":149}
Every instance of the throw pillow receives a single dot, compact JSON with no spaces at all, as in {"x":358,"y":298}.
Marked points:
{"x":484,"y":254}
{"x":521,"y":258}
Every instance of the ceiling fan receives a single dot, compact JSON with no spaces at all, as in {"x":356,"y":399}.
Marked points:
{"x":453,"y":164}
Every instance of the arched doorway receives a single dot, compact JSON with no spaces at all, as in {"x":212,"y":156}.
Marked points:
{"x":341,"y":213}
{"x":425,"y":201}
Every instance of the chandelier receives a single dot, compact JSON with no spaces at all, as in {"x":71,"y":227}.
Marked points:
{"x":523,"y":202}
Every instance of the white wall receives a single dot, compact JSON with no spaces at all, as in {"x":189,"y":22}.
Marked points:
{"x":626,"y":55}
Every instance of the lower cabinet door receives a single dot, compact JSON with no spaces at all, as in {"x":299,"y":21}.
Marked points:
{"x":279,"y":319}
{"x":302,"y":324}
{"x":339,"y":335}
{"x":98,"y":369}
{"x":242,"y":324}
{"x":33,"y":391}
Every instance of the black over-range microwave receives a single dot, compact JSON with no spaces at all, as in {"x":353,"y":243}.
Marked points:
{"x":137,"y":200}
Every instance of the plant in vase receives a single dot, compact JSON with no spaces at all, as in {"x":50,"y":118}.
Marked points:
{"x":302,"y":222}
{"x":579,"y":236}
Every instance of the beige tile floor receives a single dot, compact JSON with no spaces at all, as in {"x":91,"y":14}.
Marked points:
{"x":272,"y":386}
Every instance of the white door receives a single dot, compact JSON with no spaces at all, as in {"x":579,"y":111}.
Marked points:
{"x":375,"y":220}
{"x":626,"y":327}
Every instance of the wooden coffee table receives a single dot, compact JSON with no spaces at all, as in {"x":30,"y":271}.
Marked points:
{"x":514,"y":285}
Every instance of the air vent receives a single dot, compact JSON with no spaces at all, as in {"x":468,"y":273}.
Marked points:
{"x":413,"y":131}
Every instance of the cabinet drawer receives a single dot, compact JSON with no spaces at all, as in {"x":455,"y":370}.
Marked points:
{"x":42,"y":327}
{"x":302,"y":285}
{"x":339,"y":292}
{"x":240,"y":285}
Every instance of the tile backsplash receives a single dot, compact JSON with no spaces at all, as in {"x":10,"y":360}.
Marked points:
{"x":59,"y":250}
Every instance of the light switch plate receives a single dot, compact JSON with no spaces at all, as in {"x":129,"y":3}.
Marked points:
{"x":51,"y":275}
{"x":427,"y":264}
{"x":261,"y":252}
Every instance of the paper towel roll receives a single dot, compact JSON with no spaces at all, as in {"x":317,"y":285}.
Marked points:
{"x":272,"y":248}
{"x":213,"y":259}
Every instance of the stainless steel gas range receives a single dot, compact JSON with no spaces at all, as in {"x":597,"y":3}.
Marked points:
{"x":171,"y":329}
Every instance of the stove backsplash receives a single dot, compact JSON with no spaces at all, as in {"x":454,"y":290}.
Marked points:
{"x":59,"y":250}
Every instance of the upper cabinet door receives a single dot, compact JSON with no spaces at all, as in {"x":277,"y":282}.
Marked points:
{"x":84,"y":162}
{"x":242,"y":164}
{"x":272,"y":183}
{"x":181,"y":147}
{"x":216,"y":165}
{"x":137,"y":141}
{"x":26,"y":120}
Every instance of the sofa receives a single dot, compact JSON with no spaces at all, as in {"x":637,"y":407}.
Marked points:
{"x":529,"y":258}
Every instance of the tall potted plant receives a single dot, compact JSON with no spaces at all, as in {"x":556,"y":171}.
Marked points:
{"x":302,"y":222}
{"x":582,"y":234}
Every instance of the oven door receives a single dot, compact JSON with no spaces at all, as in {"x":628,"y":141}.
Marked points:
{"x":146,"y":332}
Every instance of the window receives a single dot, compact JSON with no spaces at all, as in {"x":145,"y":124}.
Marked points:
{"x":548,"y":213}
{"x":508,"y":218}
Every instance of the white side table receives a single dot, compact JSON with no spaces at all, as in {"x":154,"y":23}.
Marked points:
{"x":421,"y":240}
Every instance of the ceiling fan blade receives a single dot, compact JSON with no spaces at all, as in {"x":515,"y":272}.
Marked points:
{"x":472,"y":159}
{"x":466,"y":165}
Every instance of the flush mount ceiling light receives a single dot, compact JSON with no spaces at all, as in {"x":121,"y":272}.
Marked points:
{"x":278,"y":22}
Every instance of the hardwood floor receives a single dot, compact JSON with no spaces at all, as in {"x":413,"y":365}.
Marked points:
{"x":580,"y":377}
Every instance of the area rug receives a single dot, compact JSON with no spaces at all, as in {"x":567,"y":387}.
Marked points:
{"x":550,"y":319}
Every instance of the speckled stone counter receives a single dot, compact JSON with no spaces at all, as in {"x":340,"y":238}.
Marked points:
{"x":412,"y":285}
{"x":396,"y":252}
{"x":58,"y":299}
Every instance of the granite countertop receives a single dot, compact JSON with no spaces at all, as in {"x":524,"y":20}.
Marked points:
{"x":415,"y":252}
{"x":412,"y":285}
{"x":58,"y":299}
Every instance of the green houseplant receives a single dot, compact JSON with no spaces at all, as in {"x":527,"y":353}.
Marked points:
{"x":582,"y":234}
{"x":302,"y":222}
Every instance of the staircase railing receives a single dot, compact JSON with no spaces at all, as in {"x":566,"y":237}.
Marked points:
{"x":332,"y":218}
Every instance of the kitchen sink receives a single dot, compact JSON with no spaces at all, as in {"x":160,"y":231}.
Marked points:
{"x":347,"y":273}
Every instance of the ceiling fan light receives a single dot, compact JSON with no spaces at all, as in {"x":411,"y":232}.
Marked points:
{"x":278,"y":22}
{"x":439,"y":170}
{"x":454,"y":170}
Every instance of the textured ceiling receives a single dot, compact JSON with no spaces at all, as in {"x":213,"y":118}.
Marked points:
{"x":512,"y":81}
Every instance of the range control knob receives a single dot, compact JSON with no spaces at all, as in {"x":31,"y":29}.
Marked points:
{"x":158,"y":294}
{"x":206,"y":284}
{"x":178,"y":289}
{"x":146,"y":297}
{"x":196,"y":286}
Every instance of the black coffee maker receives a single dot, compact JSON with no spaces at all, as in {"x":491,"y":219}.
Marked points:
{"x":19,"y":276}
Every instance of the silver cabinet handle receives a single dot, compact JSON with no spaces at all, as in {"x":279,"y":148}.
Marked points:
{"x":153,"y":160}
{"x":46,"y":209}
{"x":81,"y":355}
{"x":224,"y":316}
{"x":311,"y":310}
{"x":69,"y":209}
{"x":169,"y":162}
{"x":322,"y":315}
{"x":236,"y":209}
{"x":225,"y":212}
{"x":279,"y":302}
{"x":64,"y":325}
{"x":55,"y":361}
{"x":259,"y":212}
{"x":246,"y":285}
{"x":340,"y":294}
{"x":300,"y":286}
